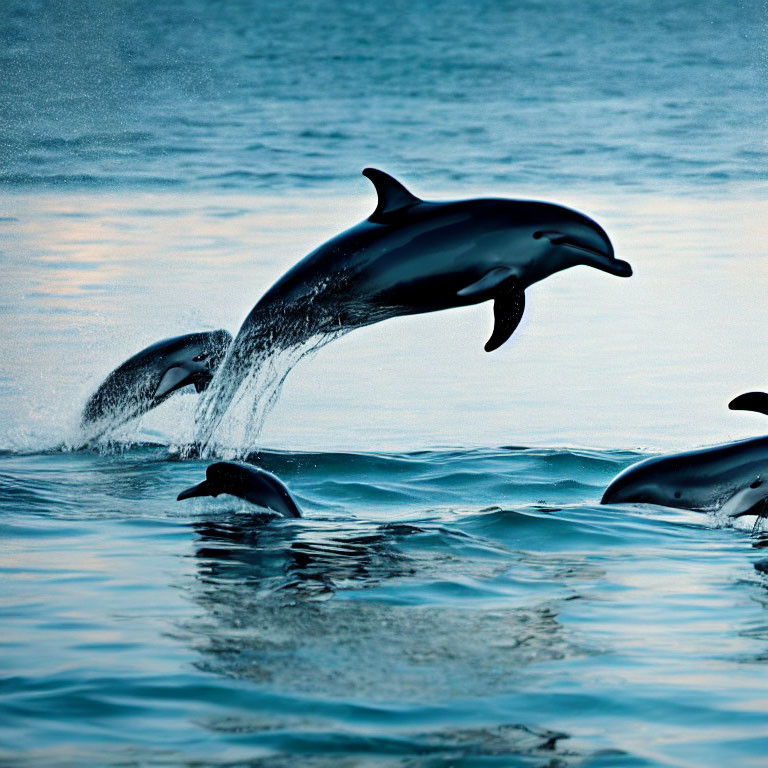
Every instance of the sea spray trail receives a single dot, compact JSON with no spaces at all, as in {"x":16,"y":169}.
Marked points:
{"x":232,"y":412}
{"x":292,"y":320}
{"x":281,"y":329}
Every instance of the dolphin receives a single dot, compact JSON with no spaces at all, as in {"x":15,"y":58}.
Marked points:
{"x":151,"y":376}
{"x":254,"y":485}
{"x":730,"y":478}
{"x":408,"y":257}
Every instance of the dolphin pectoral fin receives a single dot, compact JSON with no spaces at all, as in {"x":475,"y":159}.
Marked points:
{"x":488,"y":282}
{"x":750,"y":401}
{"x":393,"y":196}
{"x":758,"y":508}
{"x":508,"y":308}
{"x":750,"y":500}
{"x":172,"y":379}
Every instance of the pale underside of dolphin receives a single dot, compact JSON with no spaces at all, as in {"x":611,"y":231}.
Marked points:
{"x":731,"y":479}
{"x":151,"y":376}
{"x":411,"y":256}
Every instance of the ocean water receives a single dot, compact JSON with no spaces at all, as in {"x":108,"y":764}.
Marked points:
{"x":455,"y":595}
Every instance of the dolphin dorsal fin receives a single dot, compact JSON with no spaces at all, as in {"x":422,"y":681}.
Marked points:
{"x":750,"y":401}
{"x":393,"y":196}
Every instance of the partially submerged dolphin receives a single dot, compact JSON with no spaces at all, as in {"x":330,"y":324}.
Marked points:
{"x":249,"y":483}
{"x":731,"y":478}
{"x":411,"y":256}
{"x":151,"y":376}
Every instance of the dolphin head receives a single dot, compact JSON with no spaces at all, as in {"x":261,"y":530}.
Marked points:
{"x":557,"y":238}
{"x":249,"y":483}
{"x":644,"y":484}
{"x":689,"y":481}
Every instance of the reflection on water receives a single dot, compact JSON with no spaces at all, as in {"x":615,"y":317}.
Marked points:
{"x":300,"y":607}
{"x":272,"y":557}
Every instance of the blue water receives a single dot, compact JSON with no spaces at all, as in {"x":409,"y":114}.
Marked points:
{"x":455,"y":595}
{"x":408,"y":620}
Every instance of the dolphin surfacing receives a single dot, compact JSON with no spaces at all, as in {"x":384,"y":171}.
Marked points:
{"x":251,"y":484}
{"x":408,"y":257}
{"x":730,"y":478}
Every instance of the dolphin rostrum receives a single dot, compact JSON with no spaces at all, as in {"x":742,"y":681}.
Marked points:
{"x":412,"y":256}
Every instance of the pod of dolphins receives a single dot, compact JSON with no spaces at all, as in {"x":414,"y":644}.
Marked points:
{"x":412,"y":256}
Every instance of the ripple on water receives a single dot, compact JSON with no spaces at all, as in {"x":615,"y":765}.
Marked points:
{"x":383,"y":627}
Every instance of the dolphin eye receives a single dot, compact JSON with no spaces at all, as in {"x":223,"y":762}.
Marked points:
{"x":678,"y":494}
{"x":199,"y":358}
{"x":757,"y":483}
{"x":538,"y":235}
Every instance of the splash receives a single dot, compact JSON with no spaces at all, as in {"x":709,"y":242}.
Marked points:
{"x":111,"y":407}
{"x":232,"y":412}
{"x":273,"y":339}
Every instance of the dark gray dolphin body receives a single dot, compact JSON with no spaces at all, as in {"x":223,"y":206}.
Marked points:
{"x":249,"y":483}
{"x":732,"y":478}
{"x":152,"y":375}
{"x":412,"y":256}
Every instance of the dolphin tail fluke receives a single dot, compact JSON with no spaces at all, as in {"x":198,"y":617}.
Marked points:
{"x":508,"y":308}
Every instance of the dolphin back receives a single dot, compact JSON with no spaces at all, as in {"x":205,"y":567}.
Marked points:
{"x":254,"y":485}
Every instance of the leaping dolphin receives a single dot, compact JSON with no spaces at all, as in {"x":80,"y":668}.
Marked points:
{"x":254,"y":485}
{"x":151,"y":376}
{"x":730,"y":478}
{"x":412,"y":256}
